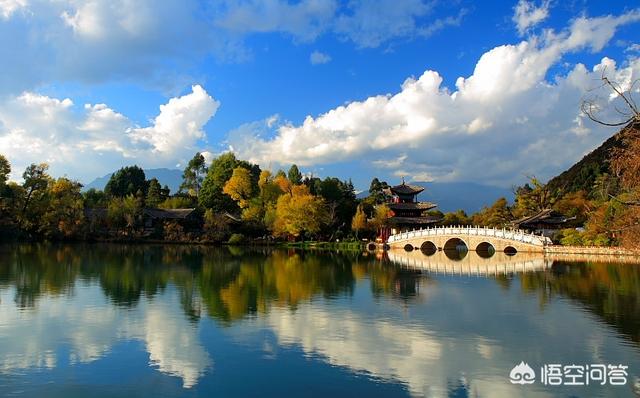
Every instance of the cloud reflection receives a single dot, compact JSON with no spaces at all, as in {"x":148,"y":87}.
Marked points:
{"x":90,"y":326}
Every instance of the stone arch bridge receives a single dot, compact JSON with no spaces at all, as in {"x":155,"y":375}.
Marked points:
{"x":479,"y":239}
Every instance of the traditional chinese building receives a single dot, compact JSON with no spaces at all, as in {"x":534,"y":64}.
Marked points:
{"x":407,"y":213}
{"x":547,"y":222}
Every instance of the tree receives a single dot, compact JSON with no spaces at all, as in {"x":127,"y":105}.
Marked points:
{"x":154,"y":193}
{"x":381,"y":216}
{"x":125,"y":213}
{"x":5,"y":170}
{"x":532,"y":198}
{"x":36,"y":181}
{"x":94,"y":198}
{"x":238,"y":187}
{"x":294,"y":175}
{"x":193,"y":175}
{"x":459,"y":217}
{"x":128,"y":180}
{"x":359,"y":221}
{"x":496,"y":216}
{"x":65,"y":214}
{"x":629,"y":113}
{"x":626,"y":165}
{"x":216,"y":225}
{"x":212,"y":195}
{"x":298,"y":213}
{"x":376,"y":190}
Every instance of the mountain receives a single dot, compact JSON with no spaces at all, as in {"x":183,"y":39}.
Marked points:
{"x":582,"y":175}
{"x":170,"y":177}
{"x":451,"y":196}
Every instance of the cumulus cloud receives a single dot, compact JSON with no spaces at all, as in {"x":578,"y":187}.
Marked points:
{"x":527,"y":14}
{"x":317,"y":58}
{"x":95,"y":139}
{"x":490,"y":127}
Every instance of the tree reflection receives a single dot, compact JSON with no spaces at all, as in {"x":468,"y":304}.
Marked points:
{"x":608,"y":290}
{"x":226,"y":284}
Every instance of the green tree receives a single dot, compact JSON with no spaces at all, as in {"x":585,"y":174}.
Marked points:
{"x":36,"y":181}
{"x":193,"y":175}
{"x":5,"y":170}
{"x":221,"y":169}
{"x":125,"y":213}
{"x":94,"y":198}
{"x":128,"y":180}
{"x":294,"y":175}
{"x":376,"y":190}
{"x":154,"y":193}
{"x":459,"y":217}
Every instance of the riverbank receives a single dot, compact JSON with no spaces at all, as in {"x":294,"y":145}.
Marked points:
{"x":591,"y":250}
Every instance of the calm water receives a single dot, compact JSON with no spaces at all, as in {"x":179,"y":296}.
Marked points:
{"x":125,"y":321}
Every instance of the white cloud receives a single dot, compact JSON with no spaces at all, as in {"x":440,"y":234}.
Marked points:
{"x":317,"y":58}
{"x":180,"y":122}
{"x":97,"y":139}
{"x":489,"y":128}
{"x":8,"y":7}
{"x":147,"y":41}
{"x":527,"y":15}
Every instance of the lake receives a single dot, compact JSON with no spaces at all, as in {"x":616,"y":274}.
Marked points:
{"x":171,"y":321}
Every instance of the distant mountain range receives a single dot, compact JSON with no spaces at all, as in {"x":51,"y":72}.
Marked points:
{"x":451,"y":196}
{"x":170,"y":177}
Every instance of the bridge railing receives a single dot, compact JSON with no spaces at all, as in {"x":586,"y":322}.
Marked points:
{"x":517,"y":235}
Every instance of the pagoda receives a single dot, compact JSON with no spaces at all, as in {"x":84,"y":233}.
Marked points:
{"x":407,"y":213}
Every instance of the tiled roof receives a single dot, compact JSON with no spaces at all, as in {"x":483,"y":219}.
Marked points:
{"x":169,"y":214}
{"x":414,"y":220}
{"x":411,"y":206}
{"x":406,"y":189}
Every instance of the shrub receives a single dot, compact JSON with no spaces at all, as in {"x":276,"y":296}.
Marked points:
{"x":236,"y":239}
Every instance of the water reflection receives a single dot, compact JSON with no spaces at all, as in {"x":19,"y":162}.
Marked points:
{"x":406,"y":318}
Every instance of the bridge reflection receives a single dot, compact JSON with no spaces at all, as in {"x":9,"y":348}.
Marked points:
{"x":471,"y":263}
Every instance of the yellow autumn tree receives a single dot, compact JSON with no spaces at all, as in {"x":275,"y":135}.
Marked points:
{"x":359,"y":221}
{"x":238,"y":187}
{"x":298,"y":212}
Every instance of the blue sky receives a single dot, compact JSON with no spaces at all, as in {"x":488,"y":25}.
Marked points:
{"x":429,"y":90}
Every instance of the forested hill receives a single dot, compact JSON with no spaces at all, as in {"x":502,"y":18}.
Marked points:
{"x":583,"y":175}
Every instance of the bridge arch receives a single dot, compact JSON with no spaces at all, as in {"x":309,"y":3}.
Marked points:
{"x":455,"y":244}
{"x":485,"y":249}
{"x":510,"y":251}
{"x":408,"y":247}
{"x":428,"y":248}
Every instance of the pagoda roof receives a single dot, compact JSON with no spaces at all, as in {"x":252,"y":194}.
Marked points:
{"x":406,"y":189}
{"x":414,"y":220}
{"x":547,"y":216}
{"x":412,"y":206}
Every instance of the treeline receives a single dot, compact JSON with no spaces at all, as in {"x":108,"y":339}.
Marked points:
{"x":230,"y":197}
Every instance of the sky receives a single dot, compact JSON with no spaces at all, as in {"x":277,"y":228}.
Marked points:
{"x":426,"y":90}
